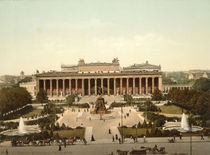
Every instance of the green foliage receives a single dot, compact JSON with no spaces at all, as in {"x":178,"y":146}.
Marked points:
{"x":128,"y":98}
{"x":41,"y":96}
{"x":70,"y":99}
{"x":83,"y":105}
{"x":157,"y":95}
{"x":49,"y":108}
{"x":202,"y":84}
{"x":13,"y":98}
{"x":148,"y":106}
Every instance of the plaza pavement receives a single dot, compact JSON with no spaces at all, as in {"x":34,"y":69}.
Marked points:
{"x":181,"y":147}
{"x":100,"y":128}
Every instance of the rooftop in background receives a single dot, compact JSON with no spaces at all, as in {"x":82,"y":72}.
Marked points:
{"x":113,"y":66}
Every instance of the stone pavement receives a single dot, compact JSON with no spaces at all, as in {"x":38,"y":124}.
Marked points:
{"x":198,"y":147}
{"x":100,"y":127}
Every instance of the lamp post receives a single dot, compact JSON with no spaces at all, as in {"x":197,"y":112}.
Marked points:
{"x":122,"y":122}
{"x":136,"y":134}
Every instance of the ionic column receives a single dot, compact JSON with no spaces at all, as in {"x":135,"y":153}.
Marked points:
{"x":70,"y":86}
{"x":102,"y":85}
{"x":114,"y":86}
{"x":64,"y":87}
{"x":134,"y":89}
{"x":108,"y":92}
{"x":139,"y":86}
{"x":95,"y":86}
{"x":153,"y":84}
{"x":51,"y":94}
{"x":146,"y":80}
{"x":121,"y":86}
{"x":57,"y":87}
{"x":89,"y":86}
{"x":44,"y":85}
{"x":127,"y":85}
{"x":160,"y":83}
{"x":37,"y":86}
{"x":76,"y":85}
{"x":83,"y":89}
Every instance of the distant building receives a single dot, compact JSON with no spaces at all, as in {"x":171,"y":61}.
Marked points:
{"x":93,"y":78}
{"x":30,"y":87}
{"x":197,"y":74}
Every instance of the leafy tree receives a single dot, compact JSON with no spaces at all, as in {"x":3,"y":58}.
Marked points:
{"x":70,"y":99}
{"x":203,"y":103}
{"x":128,"y":98}
{"x":202,"y":84}
{"x":41,"y":96}
{"x":157,"y":95}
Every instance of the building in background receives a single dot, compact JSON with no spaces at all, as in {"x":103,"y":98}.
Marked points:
{"x":96,"y":78}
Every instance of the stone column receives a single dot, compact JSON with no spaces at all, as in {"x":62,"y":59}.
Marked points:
{"x":37,"y":86}
{"x":153,"y":84}
{"x":89,"y":86}
{"x":95,"y":86}
{"x":139,"y":86}
{"x":44,"y":84}
{"x":160,"y":83}
{"x":134,"y":87}
{"x":102,"y":85}
{"x":51,"y":94}
{"x":64,"y":88}
{"x":114,"y":86}
{"x":57,"y":87}
{"x":76,"y":85}
{"x":108,"y":92}
{"x":146,"y":80}
{"x":127,"y":85}
{"x":83,"y":88}
{"x":70,"y":86}
{"x":121,"y":92}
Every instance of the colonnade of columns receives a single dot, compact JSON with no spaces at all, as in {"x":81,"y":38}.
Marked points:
{"x":104,"y":85}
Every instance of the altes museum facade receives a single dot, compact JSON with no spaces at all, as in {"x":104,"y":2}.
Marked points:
{"x":95,"y":78}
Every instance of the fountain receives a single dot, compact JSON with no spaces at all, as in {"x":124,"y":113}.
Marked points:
{"x":182,"y":126}
{"x":22,"y":129}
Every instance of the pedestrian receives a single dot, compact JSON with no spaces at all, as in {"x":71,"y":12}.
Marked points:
{"x":116,"y":137}
{"x":112,"y":138}
{"x":65,"y":143}
{"x":202,"y":138}
{"x":180,"y":136}
{"x":59,"y":147}
{"x":119,"y":141}
{"x":6,"y":152}
{"x":84,"y":140}
{"x":174,"y":137}
{"x":109,"y":131}
{"x":144,"y":139}
{"x":119,"y":124}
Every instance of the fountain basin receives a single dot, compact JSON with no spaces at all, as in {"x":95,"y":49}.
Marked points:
{"x":27,"y":130}
{"x":180,"y":129}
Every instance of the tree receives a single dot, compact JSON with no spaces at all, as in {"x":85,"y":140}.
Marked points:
{"x":41,"y":96}
{"x":202,"y":84}
{"x":70,"y":99}
{"x":157,"y":95}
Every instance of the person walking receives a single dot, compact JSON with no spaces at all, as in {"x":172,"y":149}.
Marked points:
{"x":112,"y":138}
{"x":59,"y":147}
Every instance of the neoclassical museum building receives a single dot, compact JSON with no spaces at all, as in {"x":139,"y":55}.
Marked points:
{"x":96,"y":78}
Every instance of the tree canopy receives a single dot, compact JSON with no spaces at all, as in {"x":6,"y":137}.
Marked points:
{"x":13,"y":98}
{"x":157,"y":95}
{"x":202,"y":84}
{"x":41,"y":96}
{"x":70,"y":99}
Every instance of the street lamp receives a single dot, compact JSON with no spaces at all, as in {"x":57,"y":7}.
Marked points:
{"x":136,"y":134}
{"x":122,"y":122}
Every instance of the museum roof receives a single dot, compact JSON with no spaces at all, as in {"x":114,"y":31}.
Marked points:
{"x":142,"y":66}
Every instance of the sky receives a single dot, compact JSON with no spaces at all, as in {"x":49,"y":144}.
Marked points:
{"x":43,"y":34}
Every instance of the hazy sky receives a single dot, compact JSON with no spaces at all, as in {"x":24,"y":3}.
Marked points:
{"x":43,"y":34}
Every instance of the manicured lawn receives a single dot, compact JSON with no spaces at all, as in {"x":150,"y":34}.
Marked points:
{"x":33,"y":113}
{"x":127,"y":132}
{"x":71,"y":133}
{"x":171,"y":109}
